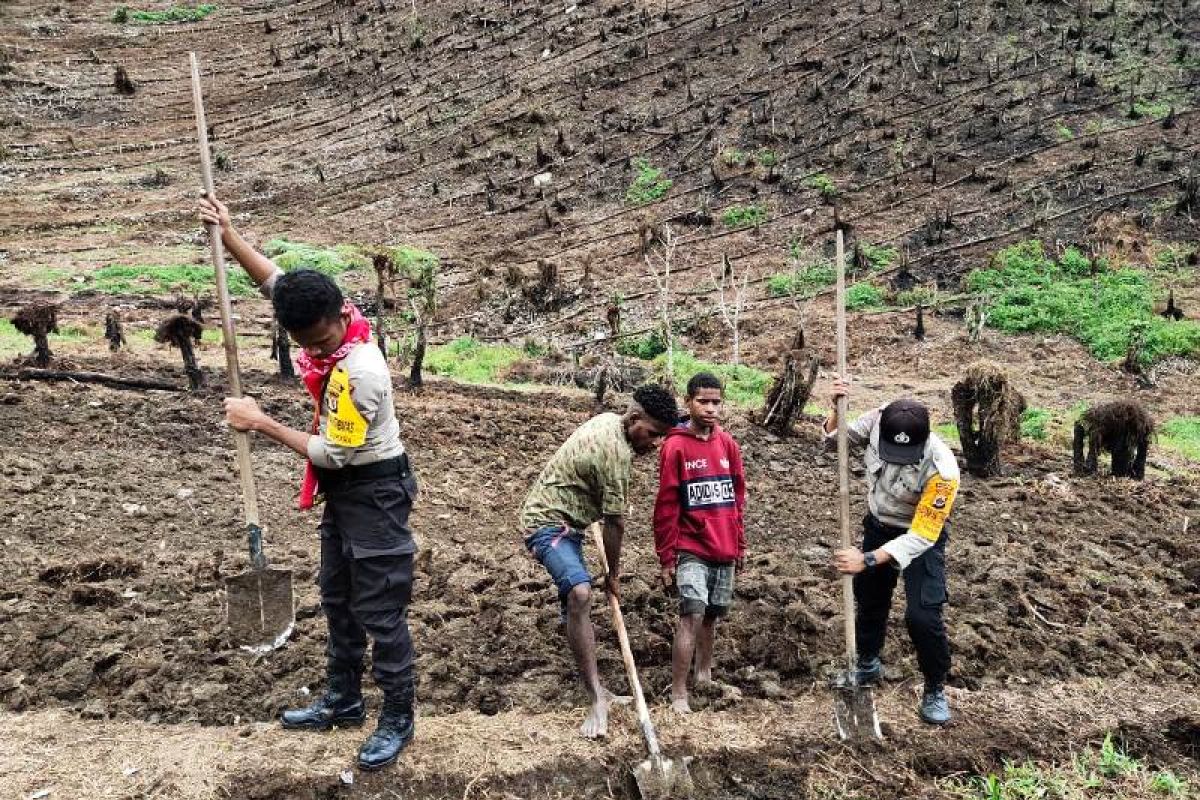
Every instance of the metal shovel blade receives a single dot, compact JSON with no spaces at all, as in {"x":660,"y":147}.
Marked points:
{"x":854,"y":711}
{"x":663,"y":779}
{"x":261,"y":613}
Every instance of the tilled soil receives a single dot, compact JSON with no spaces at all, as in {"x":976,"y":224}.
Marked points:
{"x":124,"y":520}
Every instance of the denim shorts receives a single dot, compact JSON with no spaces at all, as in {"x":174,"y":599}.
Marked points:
{"x":559,"y":549}
{"x":705,"y":587}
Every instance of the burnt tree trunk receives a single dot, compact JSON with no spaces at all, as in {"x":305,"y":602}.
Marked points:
{"x":1084,"y":464}
{"x":113,"y":332}
{"x":791,"y":389}
{"x":281,"y":351}
{"x":183,"y":332}
{"x":38,"y":321}
{"x":414,"y":373}
{"x":190,"y":365}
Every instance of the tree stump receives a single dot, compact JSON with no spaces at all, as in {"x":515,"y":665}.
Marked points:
{"x":38,"y":321}
{"x":1123,"y":428}
{"x":987,"y":411}
{"x":183,"y":332}
{"x":791,"y":389}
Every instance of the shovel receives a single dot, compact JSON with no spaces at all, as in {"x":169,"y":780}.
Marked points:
{"x":854,"y":705}
{"x":260,"y":607}
{"x":657,"y":778}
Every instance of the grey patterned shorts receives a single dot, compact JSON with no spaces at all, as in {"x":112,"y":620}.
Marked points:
{"x":705,"y":587}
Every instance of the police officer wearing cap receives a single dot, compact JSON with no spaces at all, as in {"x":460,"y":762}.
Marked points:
{"x":912,"y":480}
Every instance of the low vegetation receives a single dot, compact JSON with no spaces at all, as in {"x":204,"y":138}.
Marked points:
{"x":124,"y":14}
{"x":802,"y":281}
{"x":1106,"y":771}
{"x":1100,"y":305}
{"x":649,"y":184}
{"x":744,"y":216}
{"x":332,"y":261}
{"x":863,"y":295}
{"x":744,"y":386}
{"x":470,"y":360}
{"x":162,"y":279}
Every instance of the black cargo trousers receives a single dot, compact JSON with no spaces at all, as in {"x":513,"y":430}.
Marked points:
{"x":925,"y":595}
{"x":366,"y":575}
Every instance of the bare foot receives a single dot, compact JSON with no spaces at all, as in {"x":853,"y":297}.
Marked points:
{"x":680,"y":706}
{"x":704,"y":676}
{"x":596,"y":724}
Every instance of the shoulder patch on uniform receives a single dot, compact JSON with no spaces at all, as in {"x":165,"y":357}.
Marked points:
{"x":346,"y":426}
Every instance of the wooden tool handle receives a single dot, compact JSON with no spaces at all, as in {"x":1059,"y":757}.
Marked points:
{"x":241,"y":438}
{"x":843,"y":451}
{"x":639,"y":699}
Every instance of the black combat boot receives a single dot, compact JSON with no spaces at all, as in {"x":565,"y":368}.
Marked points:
{"x":341,"y":705}
{"x":395,"y":731}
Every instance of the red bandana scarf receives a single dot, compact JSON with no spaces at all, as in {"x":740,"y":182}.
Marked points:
{"x":314,"y":372}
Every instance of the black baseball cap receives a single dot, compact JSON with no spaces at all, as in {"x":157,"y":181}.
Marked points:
{"x":903,"y":431}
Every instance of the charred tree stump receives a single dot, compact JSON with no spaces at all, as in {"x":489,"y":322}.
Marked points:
{"x":414,"y":373}
{"x":113,"y":332}
{"x":281,"y":352}
{"x":919,"y":330}
{"x":1123,"y":428}
{"x":987,"y":411}
{"x":38,"y":321}
{"x":182,"y":331}
{"x":791,"y":389}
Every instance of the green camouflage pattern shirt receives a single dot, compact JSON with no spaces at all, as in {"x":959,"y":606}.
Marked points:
{"x":587,"y":479}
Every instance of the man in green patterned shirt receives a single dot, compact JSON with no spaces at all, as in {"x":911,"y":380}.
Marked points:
{"x":585,"y":481}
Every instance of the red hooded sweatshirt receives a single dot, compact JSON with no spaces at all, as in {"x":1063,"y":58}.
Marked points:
{"x":701,"y":497}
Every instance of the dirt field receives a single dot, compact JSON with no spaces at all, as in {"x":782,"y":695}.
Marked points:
{"x":945,"y":130}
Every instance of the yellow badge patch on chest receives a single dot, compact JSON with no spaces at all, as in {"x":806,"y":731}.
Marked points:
{"x":346,"y":427}
{"x":934,"y":508}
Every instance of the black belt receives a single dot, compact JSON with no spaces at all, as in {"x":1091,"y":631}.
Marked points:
{"x":334,"y":479}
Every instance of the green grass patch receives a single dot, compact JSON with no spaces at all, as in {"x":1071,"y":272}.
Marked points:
{"x":470,"y":360}
{"x":1104,"y":772}
{"x":744,"y":216}
{"x":162,"y":279}
{"x":878,"y":257}
{"x":863,"y":295}
{"x":1144,"y":107}
{"x":1181,"y":434}
{"x":916,"y":296}
{"x":822,"y":184}
{"x":332,"y":261}
{"x":166,"y":16}
{"x":744,"y":386}
{"x":948,"y":432}
{"x":1035,"y":423}
{"x":645,"y":347}
{"x":1063,"y":132}
{"x":649,"y":184}
{"x":1100,"y":306}
{"x":801,"y":281}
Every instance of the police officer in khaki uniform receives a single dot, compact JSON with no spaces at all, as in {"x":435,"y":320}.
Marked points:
{"x":912,"y":479}
{"x":358,"y":465}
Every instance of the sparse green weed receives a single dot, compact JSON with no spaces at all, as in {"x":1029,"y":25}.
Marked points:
{"x":470,"y":360}
{"x":124,"y":14}
{"x":863,"y":295}
{"x":162,"y":279}
{"x":822,"y":184}
{"x":648,"y":185}
{"x":744,"y":216}
{"x":332,"y":261}
{"x":744,"y":386}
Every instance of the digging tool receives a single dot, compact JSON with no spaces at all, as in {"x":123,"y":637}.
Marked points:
{"x":261,"y":610}
{"x":657,"y":778}
{"x":854,"y":705}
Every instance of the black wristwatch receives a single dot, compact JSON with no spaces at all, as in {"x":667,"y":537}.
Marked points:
{"x":869,"y":559}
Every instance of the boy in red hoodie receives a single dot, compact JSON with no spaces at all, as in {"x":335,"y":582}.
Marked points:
{"x":698,"y":529}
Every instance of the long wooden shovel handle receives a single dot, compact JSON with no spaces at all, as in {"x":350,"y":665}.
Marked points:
{"x":241,"y":438}
{"x":639,"y":699}
{"x":843,"y":451}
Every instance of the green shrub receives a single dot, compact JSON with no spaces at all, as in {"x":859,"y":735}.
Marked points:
{"x":467,"y":359}
{"x":744,"y":386}
{"x":767,"y":157}
{"x":801,"y":281}
{"x":918,"y":295}
{"x":1031,"y":292}
{"x":822,"y":184}
{"x":173,"y":14}
{"x":863,"y":295}
{"x":644,"y":347}
{"x":1035,"y":422}
{"x":878,"y":257}
{"x":744,"y":216}
{"x":163,"y":279}
{"x":648,"y":185}
{"x":332,"y":261}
